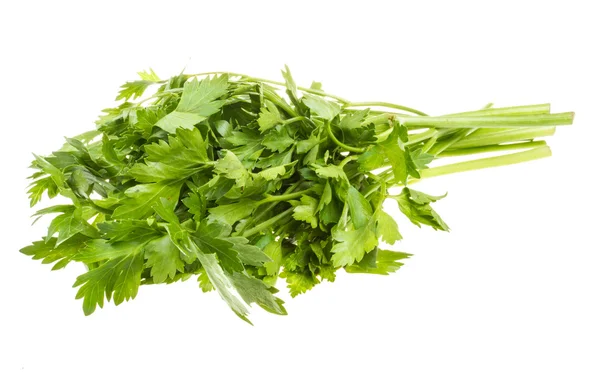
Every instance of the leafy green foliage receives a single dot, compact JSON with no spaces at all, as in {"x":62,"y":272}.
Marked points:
{"x":199,"y":100}
{"x":162,"y":257}
{"x":230,"y":181}
{"x":378,"y":261}
{"x":183,"y":155}
{"x":416,"y":206}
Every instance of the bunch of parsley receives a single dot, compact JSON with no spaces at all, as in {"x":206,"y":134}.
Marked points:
{"x":238,"y":181}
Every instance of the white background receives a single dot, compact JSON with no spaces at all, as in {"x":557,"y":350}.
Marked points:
{"x":512,"y":293}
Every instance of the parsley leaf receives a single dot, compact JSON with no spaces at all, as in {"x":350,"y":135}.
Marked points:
{"x":305,"y":210}
{"x":379,"y":261}
{"x":162,"y":257}
{"x":232,"y":213}
{"x":353,"y":244}
{"x":133,"y":89}
{"x":416,"y":206}
{"x":387,"y":228}
{"x":269,"y":117}
{"x":399,"y":157}
{"x":183,"y":155}
{"x":141,"y":198}
{"x":199,"y":100}
{"x":321,"y":107}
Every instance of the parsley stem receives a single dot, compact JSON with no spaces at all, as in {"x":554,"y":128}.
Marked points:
{"x":416,"y":138}
{"x":536,"y":120}
{"x":442,"y":146}
{"x":514,"y":110}
{"x":273,"y":204}
{"x":340,"y":144}
{"x":488,"y":162}
{"x":385,"y":104}
{"x":379,"y":112}
{"x":271,"y":221}
{"x":293,"y":120}
{"x":499,"y":136}
{"x":348,"y":159}
{"x":427,"y":146}
{"x":382,"y":118}
{"x":485,"y":111}
{"x":491,"y":148}
{"x":282,"y":197}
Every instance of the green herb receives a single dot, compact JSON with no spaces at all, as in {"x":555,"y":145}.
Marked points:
{"x":238,"y":181}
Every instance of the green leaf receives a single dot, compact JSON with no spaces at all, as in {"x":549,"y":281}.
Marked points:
{"x":387,"y":228}
{"x":133,"y":89}
{"x":272,"y":173}
{"x":222,"y":284}
{"x":68,"y":224}
{"x":360,"y":209}
{"x":249,"y":254}
{"x":269,"y":117}
{"x":253,"y":290}
{"x":385,"y":262}
{"x":299,"y":282}
{"x":273,"y":251}
{"x":148,"y":118}
{"x":306,"y":210}
{"x":162,"y":257}
{"x":209,"y":239}
{"x":149,"y":75}
{"x":204,"y":282}
{"x":196,"y":204}
{"x":276,"y":159}
{"x":400,"y":158}
{"x":321,"y":107}
{"x":198,"y":102}
{"x":232,"y":168}
{"x":214,"y":272}
{"x":421,"y":159}
{"x":56,"y":174}
{"x":179,"y":119}
{"x":278,"y":139}
{"x":199,"y":97}
{"x":352,"y":245}
{"x":232,"y":213}
{"x":326,"y":196}
{"x":110,"y":154}
{"x":354,"y":119}
{"x":165,"y":208}
{"x":118,"y":279}
{"x":55,"y":209}
{"x":183,"y":155}
{"x":290,"y":84}
{"x":124,"y":230}
{"x":306,"y":145}
{"x":331,"y":212}
{"x":39,"y":187}
{"x":142,"y":197}
{"x":415,"y":205}
{"x":330,"y":172}
{"x":98,"y":250}
{"x":422,"y":198}
{"x":49,"y":252}
{"x":373,"y":158}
